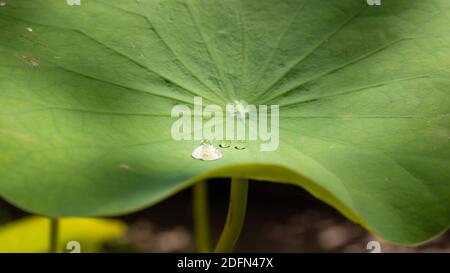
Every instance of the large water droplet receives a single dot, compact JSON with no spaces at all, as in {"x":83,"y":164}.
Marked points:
{"x":207,"y":152}
{"x":225,"y":144}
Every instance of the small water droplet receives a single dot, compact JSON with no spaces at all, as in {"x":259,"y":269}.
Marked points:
{"x":222,"y":33}
{"x":29,"y":29}
{"x":240,"y":145}
{"x":125,"y":167}
{"x":33,"y":62}
{"x":2,"y":4}
{"x":207,"y":152}
{"x":225,"y":144}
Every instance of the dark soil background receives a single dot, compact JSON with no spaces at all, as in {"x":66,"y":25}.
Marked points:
{"x":280,"y":218}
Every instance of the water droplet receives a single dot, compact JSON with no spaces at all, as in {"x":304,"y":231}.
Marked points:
{"x":222,"y":33}
{"x":2,"y":4}
{"x":206,"y":151}
{"x":125,"y":167}
{"x":34,"y":63}
{"x":29,"y":29}
{"x":240,"y":145}
{"x":31,"y":61}
{"x":225,"y":144}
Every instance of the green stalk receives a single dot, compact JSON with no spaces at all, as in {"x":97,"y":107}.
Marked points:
{"x":236,"y":215}
{"x":201,"y":217}
{"x":53,"y":235}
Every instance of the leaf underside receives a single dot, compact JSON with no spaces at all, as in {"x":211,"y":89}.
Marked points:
{"x":86,"y":93}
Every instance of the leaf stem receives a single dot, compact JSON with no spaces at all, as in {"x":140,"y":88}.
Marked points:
{"x":201,"y":217}
{"x":236,"y":215}
{"x":53,"y":235}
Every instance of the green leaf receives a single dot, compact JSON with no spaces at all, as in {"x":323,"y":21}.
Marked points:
{"x":86,"y":94}
{"x":31,"y":234}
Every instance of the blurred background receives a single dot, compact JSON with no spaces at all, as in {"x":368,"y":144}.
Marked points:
{"x":280,"y":218}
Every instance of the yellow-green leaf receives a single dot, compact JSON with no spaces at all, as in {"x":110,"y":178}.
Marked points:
{"x":31,"y":234}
